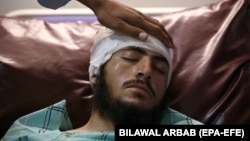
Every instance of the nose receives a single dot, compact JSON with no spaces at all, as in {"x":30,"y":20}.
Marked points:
{"x":144,"y":69}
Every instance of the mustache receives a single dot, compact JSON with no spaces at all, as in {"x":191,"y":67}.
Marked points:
{"x":140,"y":81}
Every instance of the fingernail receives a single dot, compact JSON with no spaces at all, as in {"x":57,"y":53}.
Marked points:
{"x":143,"y":36}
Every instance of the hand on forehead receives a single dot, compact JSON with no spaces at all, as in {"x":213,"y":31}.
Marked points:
{"x":108,"y":41}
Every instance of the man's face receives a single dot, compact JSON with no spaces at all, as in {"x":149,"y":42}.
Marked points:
{"x":137,"y":76}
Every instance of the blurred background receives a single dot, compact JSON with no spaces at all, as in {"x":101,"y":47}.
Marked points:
{"x":8,"y":6}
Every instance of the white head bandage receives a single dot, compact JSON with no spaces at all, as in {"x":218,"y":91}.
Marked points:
{"x":108,"y":42}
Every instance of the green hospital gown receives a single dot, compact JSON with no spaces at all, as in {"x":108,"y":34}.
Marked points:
{"x":51,"y":123}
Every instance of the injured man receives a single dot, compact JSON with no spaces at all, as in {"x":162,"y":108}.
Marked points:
{"x":129,"y":79}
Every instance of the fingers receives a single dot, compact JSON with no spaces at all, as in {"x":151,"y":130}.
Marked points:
{"x":159,"y":31}
{"x":135,"y":31}
{"x":155,"y":28}
{"x":140,"y":25}
{"x":132,"y":22}
{"x":122,"y":26}
{"x":158,"y":27}
{"x":152,"y":27}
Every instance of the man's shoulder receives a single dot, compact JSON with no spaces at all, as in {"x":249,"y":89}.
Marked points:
{"x":54,"y":116}
{"x":174,"y":117}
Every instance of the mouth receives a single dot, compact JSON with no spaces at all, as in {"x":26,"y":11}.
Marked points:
{"x":140,"y":88}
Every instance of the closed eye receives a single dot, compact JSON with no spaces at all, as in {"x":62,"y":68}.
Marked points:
{"x":130,"y":59}
{"x":161,"y":71}
{"x":160,"y":64}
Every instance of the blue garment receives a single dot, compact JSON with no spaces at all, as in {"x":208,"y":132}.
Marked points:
{"x":51,"y":123}
{"x":53,"y":4}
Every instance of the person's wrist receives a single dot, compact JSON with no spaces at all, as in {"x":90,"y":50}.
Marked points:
{"x":93,"y":4}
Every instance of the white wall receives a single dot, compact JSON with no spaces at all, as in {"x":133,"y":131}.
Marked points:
{"x":7,"y":6}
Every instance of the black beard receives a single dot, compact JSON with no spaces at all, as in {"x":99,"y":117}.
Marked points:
{"x":120,"y":112}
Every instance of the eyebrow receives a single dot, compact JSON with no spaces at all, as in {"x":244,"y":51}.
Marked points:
{"x":137,"y":49}
{"x":142,"y":51}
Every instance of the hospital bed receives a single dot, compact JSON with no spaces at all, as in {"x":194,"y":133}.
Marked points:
{"x":44,"y":58}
